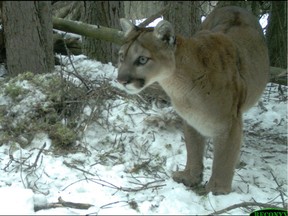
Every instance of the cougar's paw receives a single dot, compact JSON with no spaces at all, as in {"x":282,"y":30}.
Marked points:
{"x":218,"y":188}
{"x":187,"y":178}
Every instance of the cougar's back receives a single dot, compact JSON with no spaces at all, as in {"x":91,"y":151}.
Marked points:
{"x":253,"y":59}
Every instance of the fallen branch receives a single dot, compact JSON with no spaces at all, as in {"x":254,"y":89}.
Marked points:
{"x":244,"y":205}
{"x":62,"y":203}
{"x":93,"y":31}
{"x":99,"y":32}
{"x":74,"y":205}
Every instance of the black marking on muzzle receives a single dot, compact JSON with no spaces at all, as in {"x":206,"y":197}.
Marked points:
{"x":141,"y":82}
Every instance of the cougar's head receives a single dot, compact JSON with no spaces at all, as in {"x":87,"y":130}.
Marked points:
{"x":147,"y":55}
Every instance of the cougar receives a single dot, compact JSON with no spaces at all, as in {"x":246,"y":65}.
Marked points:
{"x":211,"y":78}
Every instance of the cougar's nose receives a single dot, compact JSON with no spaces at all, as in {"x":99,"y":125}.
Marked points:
{"x":124,"y":79}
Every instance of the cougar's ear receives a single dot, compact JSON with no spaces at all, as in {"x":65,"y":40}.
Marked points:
{"x":165,"y":32}
{"x":126,"y":26}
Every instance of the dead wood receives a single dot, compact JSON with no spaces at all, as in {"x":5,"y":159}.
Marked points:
{"x":62,"y":203}
{"x":73,"y":45}
{"x":88,"y":30}
{"x":244,"y":205}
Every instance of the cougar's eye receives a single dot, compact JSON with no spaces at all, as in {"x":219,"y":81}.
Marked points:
{"x":142,"y":60}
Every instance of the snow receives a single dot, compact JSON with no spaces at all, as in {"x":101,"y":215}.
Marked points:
{"x":152,"y":24}
{"x":125,"y":168}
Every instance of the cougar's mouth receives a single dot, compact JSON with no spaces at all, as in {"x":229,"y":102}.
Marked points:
{"x":134,"y":86}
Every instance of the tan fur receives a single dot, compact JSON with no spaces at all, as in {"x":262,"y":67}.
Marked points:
{"x":211,"y":78}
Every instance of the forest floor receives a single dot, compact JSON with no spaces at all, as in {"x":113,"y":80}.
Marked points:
{"x":73,"y":143}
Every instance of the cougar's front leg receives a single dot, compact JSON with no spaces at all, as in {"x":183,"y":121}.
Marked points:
{"x":195,"y":143}
{"x":226,"y":153}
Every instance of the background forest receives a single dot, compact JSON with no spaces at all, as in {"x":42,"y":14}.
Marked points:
{"x":34,"y":28}
{"x":67,"y":130}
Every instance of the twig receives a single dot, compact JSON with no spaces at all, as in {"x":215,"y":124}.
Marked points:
{"x":137,"y":167}
{"x":126,"y":189}
{"x":244,"y":205}
{"x":153,"y":17}
{"x":38,"y":155}
{"x":62,"y":203}
{"x":12,"y":159}
{"x":73,"y":183}
{"x":144,"y":186}
{"x":113,"y":203}
{"x":105,"y":184}
{"x":211,"y":204}
{"x":76,"y":74}
{"x":279,"y":186}
{"x":21,"y":169}
{"x":8,"y":164}
{"x":75,"y":167}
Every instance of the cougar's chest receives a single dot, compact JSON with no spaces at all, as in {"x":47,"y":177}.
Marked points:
{"x":197,"y":117}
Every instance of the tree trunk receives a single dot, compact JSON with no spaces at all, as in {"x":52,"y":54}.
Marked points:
{"x":243,"y":4}
{"x":135,"y":10}
{"x":105,"y":13}
{"x":67,"y":9}
{"x":184,"y":16}
{"x":277,"y":34}
{"x":28,"y":36}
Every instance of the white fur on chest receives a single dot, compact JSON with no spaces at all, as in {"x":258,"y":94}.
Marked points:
{"x":203,"y":122}
{"x":190,"y":105}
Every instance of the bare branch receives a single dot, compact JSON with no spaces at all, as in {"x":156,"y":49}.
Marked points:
{"x":38,"y":155}
{"x":146,"y":186}
{"x":75,"y":167}
{"x":278,"y":189}
{"x":113,"y":203}
{"x":244,"y":205}
{"x":76,"y":74}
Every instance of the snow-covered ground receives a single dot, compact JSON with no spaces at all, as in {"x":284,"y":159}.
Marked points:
{"x":123,"y":160}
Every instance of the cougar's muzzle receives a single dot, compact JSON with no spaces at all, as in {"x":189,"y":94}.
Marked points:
{"x":130,"y":84}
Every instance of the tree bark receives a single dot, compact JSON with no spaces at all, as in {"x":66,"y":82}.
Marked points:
{"x":106,"y":13}
{"x":93,"y":31}
{"x":277,"y":34}
{"x":243,"y":4}
{"x":67,"y":9}
{"x":28,"y":36}
{"x":135,"y":10}
{"x":184,"y":16}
